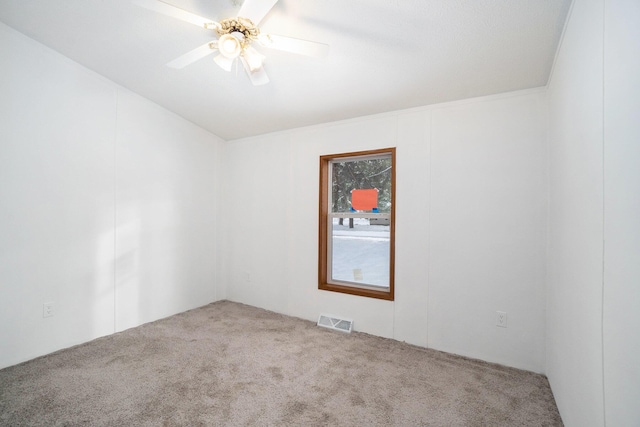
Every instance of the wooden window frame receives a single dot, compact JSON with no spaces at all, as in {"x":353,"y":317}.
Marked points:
{"x":323,"y":240}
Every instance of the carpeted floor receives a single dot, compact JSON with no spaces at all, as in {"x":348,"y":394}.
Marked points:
{"x":232,"y":364}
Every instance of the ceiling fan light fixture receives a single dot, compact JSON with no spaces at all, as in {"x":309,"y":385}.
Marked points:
{"x":258,"y":77}
{"x":224,"y":62}
{"x":253,"y":58}
{"x":229,"y":46}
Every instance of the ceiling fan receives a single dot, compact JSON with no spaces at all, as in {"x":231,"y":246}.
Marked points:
{"x":235,"y":38}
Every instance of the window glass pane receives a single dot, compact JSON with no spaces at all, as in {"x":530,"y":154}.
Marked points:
{"x":360,"y":174}
{"x":361,"y":254}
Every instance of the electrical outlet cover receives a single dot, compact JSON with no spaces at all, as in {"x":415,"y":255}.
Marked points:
{"x":501,"y":319}
{"x":47,"y":309}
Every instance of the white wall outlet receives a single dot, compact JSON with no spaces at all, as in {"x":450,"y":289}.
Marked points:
{"x":501,"y":319}
{"x":48,"y":309}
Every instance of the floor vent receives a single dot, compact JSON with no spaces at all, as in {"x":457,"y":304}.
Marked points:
{"x":332,"y":322}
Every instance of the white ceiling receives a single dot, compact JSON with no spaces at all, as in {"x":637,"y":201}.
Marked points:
{"x":384,"y":55}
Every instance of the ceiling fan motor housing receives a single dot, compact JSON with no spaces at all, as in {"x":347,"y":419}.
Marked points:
{"x":240,"y":25}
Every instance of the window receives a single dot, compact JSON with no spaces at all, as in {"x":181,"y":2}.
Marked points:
{"x":357,"y":227}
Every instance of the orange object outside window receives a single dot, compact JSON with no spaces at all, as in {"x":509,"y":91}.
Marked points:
{"x":364,"y":200}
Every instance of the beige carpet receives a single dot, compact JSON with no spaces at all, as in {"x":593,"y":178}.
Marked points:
{"x":232,"y":364}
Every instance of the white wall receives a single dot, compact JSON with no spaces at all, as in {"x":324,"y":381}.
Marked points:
{"x":593,"y":345}
{"x":166,"y":199}
{"x":488,"y":220}
{"x":470,"y":236}
{"x":574,"y":289}
{"x":621,"y":296}
{"x":107,"y":205}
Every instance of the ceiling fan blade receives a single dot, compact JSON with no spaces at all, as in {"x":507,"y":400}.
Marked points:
{"x":192,"y":56}
{"x":256,"y":9}
{"x":258,"y":77}
{"x":292,"y":45}
{"x":175,"y":12}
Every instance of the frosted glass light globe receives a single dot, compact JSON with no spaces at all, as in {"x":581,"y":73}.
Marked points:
{"x":229,"y":46}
